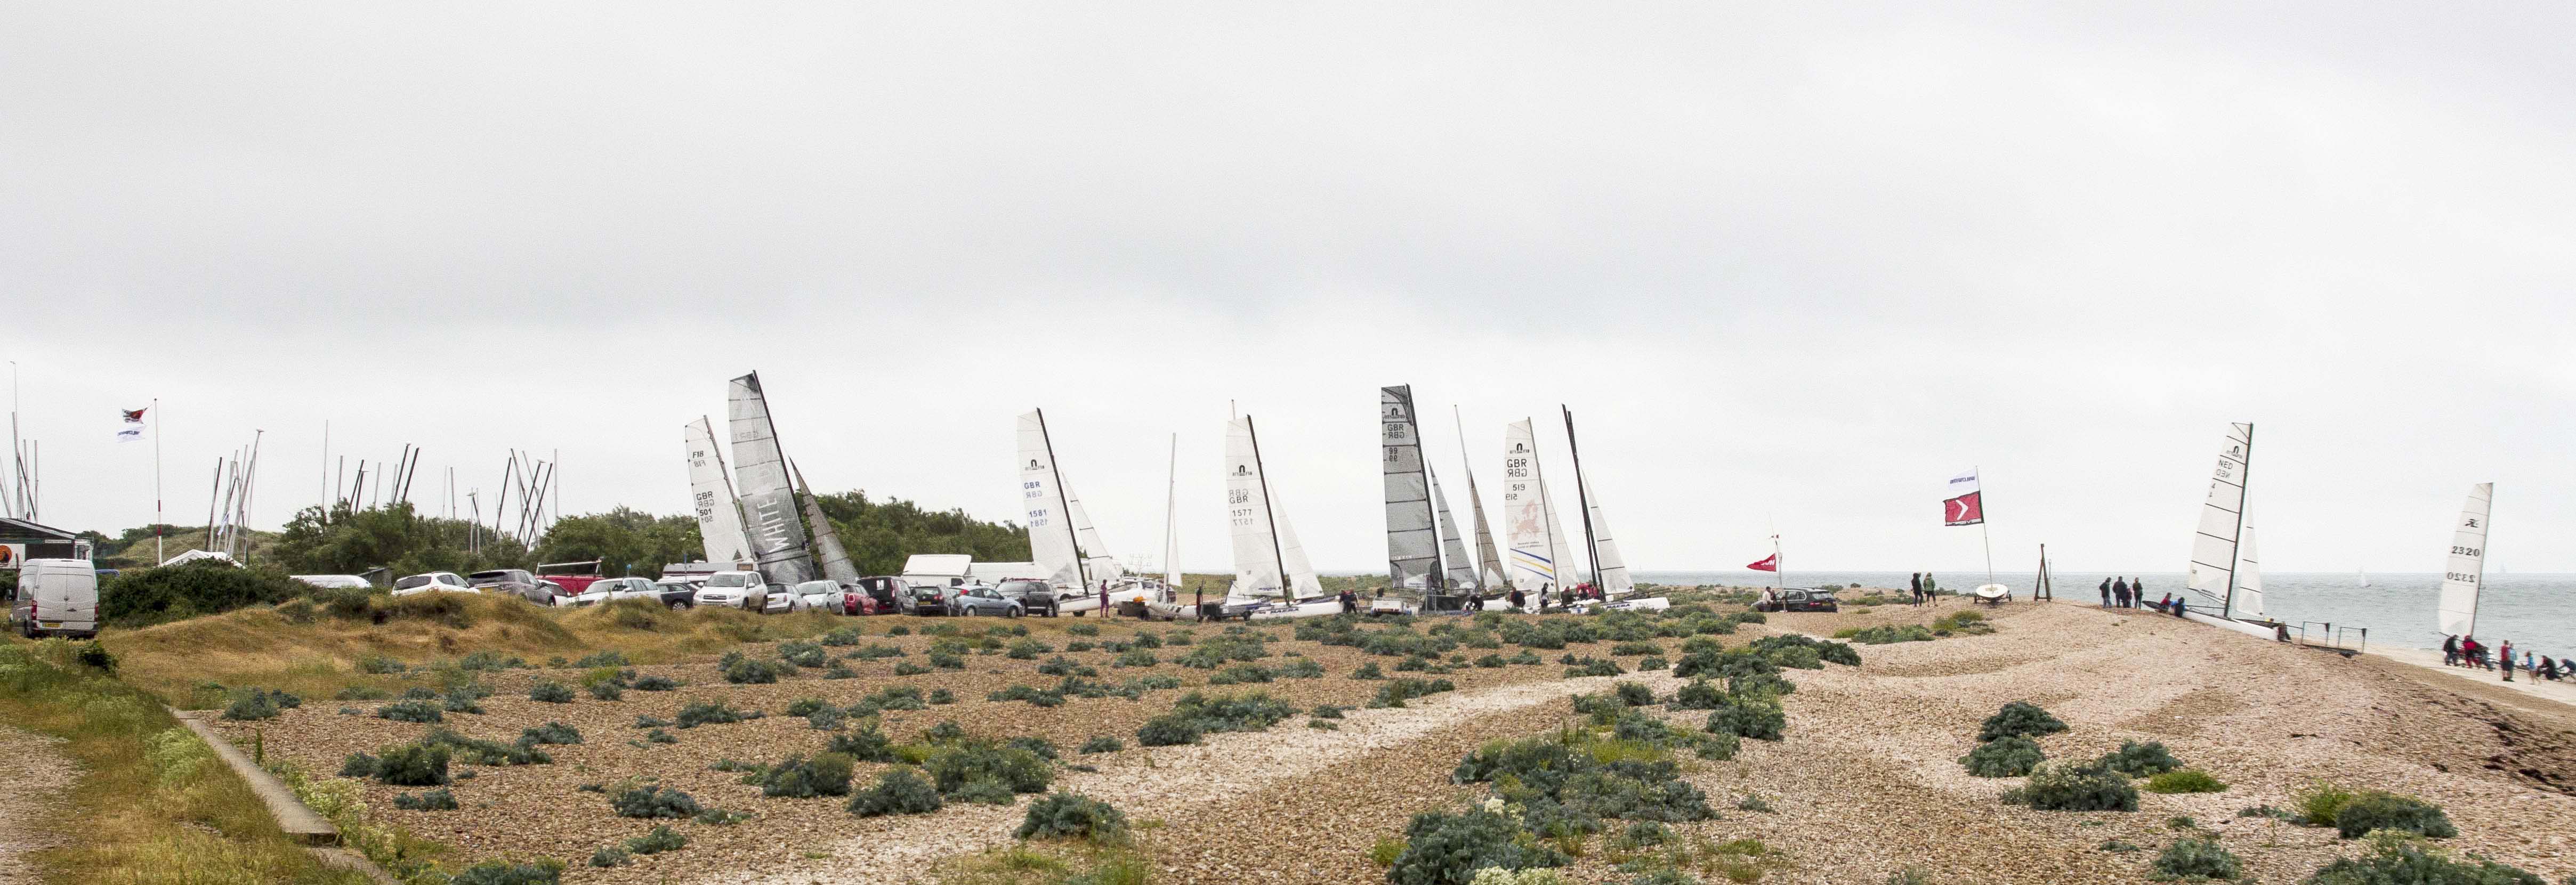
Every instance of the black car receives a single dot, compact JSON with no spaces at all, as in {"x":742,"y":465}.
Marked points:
{"x":886,"y":592}
{"x":923,"y":599}
{"x":1798,"y":599}
{"x":1036,"y":597}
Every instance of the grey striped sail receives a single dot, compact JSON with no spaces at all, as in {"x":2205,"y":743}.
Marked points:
{"x":1412,"y":548}
{"x":1461,"y":570}
{"x":768,"y":504}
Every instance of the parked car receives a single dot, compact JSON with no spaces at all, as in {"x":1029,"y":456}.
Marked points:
{"x":856,"y":601}
{"x":925,"y":599}
{"x":329,"y":582}
{"x":433,"y":582}
{"x":735,"y":589}
{"x":1797,"y":599}
{"x":979,"y":599}
{"x":55,"y":597}
{"x":677,"y":595}
{"x":876,"y":596}
{"x":1034,"y":596}
{"x":517,"y":582}
{"x":822,"y":596}
{"x":781,"y":600}
{"x":626,"y":588}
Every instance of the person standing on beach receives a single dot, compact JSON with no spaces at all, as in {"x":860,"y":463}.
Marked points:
{"x":1918,"y":589}
{"x":1199,"y":603}
{"x":1931,"y":590}
{"x":2451,"y":650}
{"x":2119,"y":592}
{"x":2506,"y":659}
{"x":2106,"y":593}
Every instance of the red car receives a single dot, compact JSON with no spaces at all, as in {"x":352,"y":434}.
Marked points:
{"x":870,"y":596}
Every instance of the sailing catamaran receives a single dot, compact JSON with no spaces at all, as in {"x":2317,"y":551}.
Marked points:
{"x":2465,"y":574}
{"x":1541,"y":556}
{"x":1412,"y":535}
{"x":777,"y":537}
{"x":1609,"y":569}
{"x":2214,"y":548}
{"x":1272,"y":578}
{"x":719,"y":514}
{"x":1055,"y":537}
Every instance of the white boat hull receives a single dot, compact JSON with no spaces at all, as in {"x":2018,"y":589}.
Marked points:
{"x":1648,"y":604}
{"x":2257,"y":631}
{"x":1312,"y":608}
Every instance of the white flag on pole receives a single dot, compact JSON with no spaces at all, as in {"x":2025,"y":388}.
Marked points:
{"x":133,"y":429}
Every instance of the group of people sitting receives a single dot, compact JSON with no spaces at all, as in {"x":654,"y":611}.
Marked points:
{"x":2467,"y":651}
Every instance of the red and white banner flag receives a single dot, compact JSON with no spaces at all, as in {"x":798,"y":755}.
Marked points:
{"x":1769,"y":563}
{"x":133,"y":429}
{"x":1963,"y":505}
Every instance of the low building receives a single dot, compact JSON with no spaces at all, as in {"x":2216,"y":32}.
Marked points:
{"x":21,"y":540}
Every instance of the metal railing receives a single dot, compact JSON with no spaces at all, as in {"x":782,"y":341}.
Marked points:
{"x":2327,"y":635}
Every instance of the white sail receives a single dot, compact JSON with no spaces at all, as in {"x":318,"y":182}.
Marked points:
{"x":1097,"y":563}
{"x":769,"y":515}
{"x":1052,"y":528}
{"x":2213,"y":547}
{"x":2362,"y":577}
{"x":828,"y":551}
{"x":2249,"y":581}
{"x":1540,"y":556}
{"x":2466,"y":572}
{"x":1462,"y":571}
{"x":1609,"y":569}
{"x":1489,"y":562}
{"x":1268,"y":561}
{"x":719,"y":518}
{"x":1412,"y":548}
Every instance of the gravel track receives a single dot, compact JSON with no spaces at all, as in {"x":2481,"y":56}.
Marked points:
{"x":34,"y":776}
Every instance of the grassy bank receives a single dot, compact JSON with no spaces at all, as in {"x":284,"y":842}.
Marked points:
{"x":315,"y":652}
{"x":152,"y":803}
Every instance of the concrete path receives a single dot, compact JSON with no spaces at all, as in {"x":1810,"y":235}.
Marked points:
{"x":298,"y":821}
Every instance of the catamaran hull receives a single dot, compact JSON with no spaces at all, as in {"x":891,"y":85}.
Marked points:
{"x":1312,"y":608}
{"x":2258,"y":631}
{"x":1648,"y":604}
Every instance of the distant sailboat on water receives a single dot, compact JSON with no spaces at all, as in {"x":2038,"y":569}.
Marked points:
{"x":2363,"y":578}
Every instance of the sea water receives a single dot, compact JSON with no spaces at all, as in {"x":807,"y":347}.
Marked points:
{"x":2534,"y":611}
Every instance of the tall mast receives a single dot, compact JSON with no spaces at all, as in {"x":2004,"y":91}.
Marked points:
{"x":2245,"y":481}
{"x":1081,"y":569}
{"x":1582,"y":497}
{"x":1287,"y":592}
{"x":1988,"y":538}
{"x":1171,"y":501}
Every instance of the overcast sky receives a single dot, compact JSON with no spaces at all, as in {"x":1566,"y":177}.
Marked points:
{"x":1791,"y":265}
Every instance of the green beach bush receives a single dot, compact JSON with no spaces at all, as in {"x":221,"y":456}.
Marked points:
{"x":2009,"y":756}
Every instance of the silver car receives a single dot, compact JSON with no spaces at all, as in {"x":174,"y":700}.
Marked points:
{"x":983,"y":600}
{"x":822,"y":596}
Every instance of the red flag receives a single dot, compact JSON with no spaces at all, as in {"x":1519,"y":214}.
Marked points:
{"x":1769,"y":563}
{"x":1963,"y":510}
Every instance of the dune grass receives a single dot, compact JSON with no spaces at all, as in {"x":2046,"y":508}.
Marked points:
{"x":152,"y":803}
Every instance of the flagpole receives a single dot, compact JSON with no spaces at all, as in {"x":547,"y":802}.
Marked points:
{"x":157,"y":519}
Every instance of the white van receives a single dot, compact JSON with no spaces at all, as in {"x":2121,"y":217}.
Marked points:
{"x":56,"y":597}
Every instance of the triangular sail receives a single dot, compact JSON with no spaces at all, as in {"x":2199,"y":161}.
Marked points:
{"x":1608,"y":567}
{"x":1268,"y":560}
{"x":1539,"y":553}
{"x":769,"y":508}
{"x":1412,"y":548}
{"x":2222,"y":516}
{"x":719,"y":518}
{"x":2466,"y":573}
{"x":2249,"y":580}
{"x":1462,"y":571}
{"x":1489,"y":562}
{"x":1097,"y":562}
{"x":1042,"y":497}
{"x":827,"y":540}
